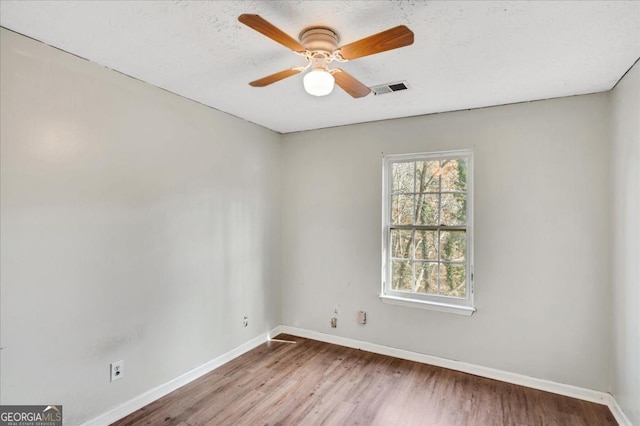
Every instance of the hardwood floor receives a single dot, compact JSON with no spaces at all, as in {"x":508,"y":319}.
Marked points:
{"x":314,"y":383}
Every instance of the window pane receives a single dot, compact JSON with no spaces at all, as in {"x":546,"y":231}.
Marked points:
{"x":401,"y":275}
{"x":401,"y":243}
{"x":427,"y":277}
{"x":452,"y":280}
{"x":427,"y":209}
{"x":427,"y":201}
{"x":453,"y":245}
{"x":403,"y":177}
{"x":427,"y":176}
{"x":454,"y":175}
{"x":402,"y":209}
{"x":454,"y":209}
{"x":426,"y":246}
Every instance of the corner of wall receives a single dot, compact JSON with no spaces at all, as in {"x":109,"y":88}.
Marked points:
{"x":625,"y":237}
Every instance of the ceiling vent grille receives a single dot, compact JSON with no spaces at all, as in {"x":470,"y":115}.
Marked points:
{"x":381,"y":89}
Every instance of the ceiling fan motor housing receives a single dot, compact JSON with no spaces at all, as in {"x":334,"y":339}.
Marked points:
{"x":319,"y":39}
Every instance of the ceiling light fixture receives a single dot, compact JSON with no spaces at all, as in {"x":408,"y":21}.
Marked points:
{"x":318,"y":45}
{"x":318,"y":82}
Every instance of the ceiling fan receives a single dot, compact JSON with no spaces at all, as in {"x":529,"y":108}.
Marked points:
{"x":319,"y":47}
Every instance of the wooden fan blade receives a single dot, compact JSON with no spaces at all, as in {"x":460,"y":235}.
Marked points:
{"x":260,"y":25}
{"x":393,"y":38}
{"x":349,"y":84}
{"x":265,"y":81}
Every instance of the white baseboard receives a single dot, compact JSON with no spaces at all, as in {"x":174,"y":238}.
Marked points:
{"x":617,"y":412}
{"x":148,"y":397}
{"x":478,"y":370}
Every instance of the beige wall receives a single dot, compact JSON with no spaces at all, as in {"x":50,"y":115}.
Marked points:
{"x":541,"y":237}
{"x":136,"y":225}
{"x":625,"y":189}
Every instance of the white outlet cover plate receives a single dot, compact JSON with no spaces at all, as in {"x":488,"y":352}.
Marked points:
{"x":117,"y":370}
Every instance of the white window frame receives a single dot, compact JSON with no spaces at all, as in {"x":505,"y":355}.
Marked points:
{"x":462,"y":306}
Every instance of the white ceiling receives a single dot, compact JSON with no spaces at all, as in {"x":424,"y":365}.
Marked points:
{"x":466,"y":54}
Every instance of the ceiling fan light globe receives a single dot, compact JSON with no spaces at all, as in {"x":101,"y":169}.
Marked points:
{"x":318,"y":82}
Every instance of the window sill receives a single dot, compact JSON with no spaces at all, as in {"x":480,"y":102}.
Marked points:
{"x":423,"y":304}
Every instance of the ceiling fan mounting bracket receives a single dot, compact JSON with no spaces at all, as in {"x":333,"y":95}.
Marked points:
{"x":319,"y":39}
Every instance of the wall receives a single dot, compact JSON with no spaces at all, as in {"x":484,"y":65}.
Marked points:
{"x":135,"y":225}
{"x":625,"y":189}
{"x":541,"y":237}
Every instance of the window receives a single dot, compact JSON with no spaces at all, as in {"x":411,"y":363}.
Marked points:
{"x":427,"y":235}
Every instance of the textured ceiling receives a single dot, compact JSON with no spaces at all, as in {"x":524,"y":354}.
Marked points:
{"x":465,"y":55}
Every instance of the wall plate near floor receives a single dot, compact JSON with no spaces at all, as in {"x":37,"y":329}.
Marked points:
{"x":334,"y":322}
{"x":117,"y":370}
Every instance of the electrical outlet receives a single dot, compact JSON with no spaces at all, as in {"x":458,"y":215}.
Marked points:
{"x":334,"y":322}
{"x":245,"y":321}
{"x":117,"y":370}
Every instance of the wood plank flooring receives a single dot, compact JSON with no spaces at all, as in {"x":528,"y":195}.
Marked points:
{"x":314,"y":383}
